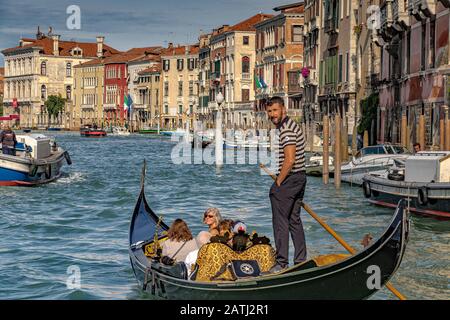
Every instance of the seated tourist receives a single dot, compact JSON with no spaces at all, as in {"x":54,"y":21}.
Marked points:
{"x":211,"y":218}
{"x":225,"y":233}
{"x":180,"y":241}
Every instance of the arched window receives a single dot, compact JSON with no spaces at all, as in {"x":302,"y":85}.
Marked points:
{"x":43,"y":92}
{"x":68,"y":69}
{"x":245,"y":65}
{"x":69,"y":93}
{"x":44,"y":68}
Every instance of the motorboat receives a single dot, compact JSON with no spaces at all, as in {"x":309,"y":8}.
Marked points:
{"x":121,"y":131}
{"x":37,"y":160}
{"x":314,"y":165}
{"x":92,"y":131}
{"x":423,"y":178}
{"x":371,"y":159}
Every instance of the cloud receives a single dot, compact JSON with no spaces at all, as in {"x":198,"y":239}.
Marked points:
{"x":125,"y":24}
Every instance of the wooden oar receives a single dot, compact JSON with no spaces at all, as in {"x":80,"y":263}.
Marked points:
{"x":333,"y":233}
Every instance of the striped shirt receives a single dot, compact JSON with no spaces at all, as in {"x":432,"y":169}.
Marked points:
{"x":289,"y":133}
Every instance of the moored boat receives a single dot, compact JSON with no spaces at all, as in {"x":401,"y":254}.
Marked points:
{"x":424,"y":179}
{"x":319,"y":278}
{"x":38,"y":160}
{"x":314,"y":166}
{"x":369,"y":160}
{"x":120,"y":131}
{"x":92,"y":131}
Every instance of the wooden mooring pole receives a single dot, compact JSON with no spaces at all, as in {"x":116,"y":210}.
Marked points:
{"x":326,"y":150}
{"x":422,"y":131}
{"x":337,"y":151}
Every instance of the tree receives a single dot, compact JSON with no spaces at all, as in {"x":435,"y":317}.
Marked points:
{"x":55,"y":104}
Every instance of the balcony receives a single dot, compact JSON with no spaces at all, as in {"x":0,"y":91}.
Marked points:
{"x":331,"y":25}
{"x":415,"y":10}
{"x":400,"y":15}
{"x":387,"y":30}
{"x":244,"y":106}
{"x":140,"y":106}
{"x":246,"y":76}
{"x":212,"y":105}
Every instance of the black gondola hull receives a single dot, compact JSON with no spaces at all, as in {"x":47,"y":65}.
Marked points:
{"x":352,"y":278}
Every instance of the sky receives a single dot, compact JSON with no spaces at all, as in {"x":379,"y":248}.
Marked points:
{"x":125,"y":24}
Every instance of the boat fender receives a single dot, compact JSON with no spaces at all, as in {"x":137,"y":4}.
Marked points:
{"x":33,"y":171}
{"x":366,"y":189}
{"x":48,"y":171}
{"x":422,"y":196}
{"x":68,"y":159}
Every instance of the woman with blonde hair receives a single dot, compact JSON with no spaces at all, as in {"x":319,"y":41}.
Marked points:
{"x":180,"y":241}
{"x":211,"y":218}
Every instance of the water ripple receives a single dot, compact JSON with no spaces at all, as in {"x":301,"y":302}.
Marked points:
{"x":82,"y":220}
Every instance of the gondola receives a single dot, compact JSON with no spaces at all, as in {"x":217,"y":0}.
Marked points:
{"x":345,"y":279}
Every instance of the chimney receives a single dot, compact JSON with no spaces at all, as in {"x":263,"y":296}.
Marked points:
{"x":188,"y":49}
{"x":55,"y":38}
{"x":170,"y":45}
{"x":100,"y":41}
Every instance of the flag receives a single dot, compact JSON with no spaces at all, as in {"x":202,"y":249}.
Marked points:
{"x":257,"y":82}
{"x":130,"y":103}
{"x":264,"y":85}
{"x":125,"y":102}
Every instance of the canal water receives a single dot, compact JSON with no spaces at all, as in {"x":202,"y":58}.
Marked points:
{"x":81,"y":221}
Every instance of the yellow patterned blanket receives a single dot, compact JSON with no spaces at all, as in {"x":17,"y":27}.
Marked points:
{"x":213,"y":256}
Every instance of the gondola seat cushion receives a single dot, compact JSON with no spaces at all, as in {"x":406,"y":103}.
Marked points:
{"x":212,"y":257}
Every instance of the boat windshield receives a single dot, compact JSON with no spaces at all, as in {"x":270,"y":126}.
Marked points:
{"x":399,"y":149}
{"x":373,"y":150}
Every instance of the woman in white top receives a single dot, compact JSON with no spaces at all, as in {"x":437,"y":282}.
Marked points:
{"x":211,"y":218}
{"x":180,"y":241}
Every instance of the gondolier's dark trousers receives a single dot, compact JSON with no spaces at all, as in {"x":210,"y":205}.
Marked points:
{"x":286,"y":203}
{"x":9,"y":151}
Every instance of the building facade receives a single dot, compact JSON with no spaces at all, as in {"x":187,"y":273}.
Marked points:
{"x":204,"y":74}
{"x":140,"y":94}
{"x":41,"y":67}
{"x":414,"y":39}
{"x":179,"y":86}
{"x":87,"y":102}
{"x":279,"y":60}
{"x":148,"y":97}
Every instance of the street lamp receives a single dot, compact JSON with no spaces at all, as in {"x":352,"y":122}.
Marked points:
{"x":219,"y":137}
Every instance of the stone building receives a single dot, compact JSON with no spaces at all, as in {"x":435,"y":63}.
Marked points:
{"x":41,"y":67}
{"x":149,"y":97}
{"x":279,"y":59}
{"x":179,"y":79}
{"x":414,"y":39}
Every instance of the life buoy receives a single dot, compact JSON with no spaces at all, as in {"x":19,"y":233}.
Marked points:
{"x":422,"y":196}
{"x":68,"y":159}
{"x":48,"y":171}
{"x":366,"y":189}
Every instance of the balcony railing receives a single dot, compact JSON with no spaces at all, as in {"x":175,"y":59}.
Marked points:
{"x":331,"y":25}
{"x":400,"y":14}
{"x":246,"y":76}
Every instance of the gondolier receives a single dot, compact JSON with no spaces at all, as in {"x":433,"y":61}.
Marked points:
{"x":286,"y":194}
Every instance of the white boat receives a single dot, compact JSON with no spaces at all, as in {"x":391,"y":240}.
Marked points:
{"x":314,"y":165}
{"x":371,"y":159}
{"x":120,"y":131}
{"x":423,"y":178}
{"x":38,"y":160}
{"x":247,"y":140}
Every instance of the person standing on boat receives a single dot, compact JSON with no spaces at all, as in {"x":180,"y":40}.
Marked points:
{"x":8,"y":141}
{"x":286,"y":194}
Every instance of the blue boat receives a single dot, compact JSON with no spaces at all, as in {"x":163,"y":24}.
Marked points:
{"x":38,"y":160}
